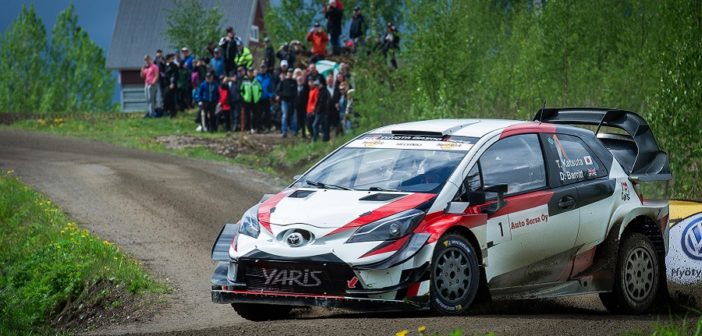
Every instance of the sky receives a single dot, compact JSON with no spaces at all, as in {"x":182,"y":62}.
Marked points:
{"x":97,"y":17}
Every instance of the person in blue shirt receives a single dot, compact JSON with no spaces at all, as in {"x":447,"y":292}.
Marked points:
{"x":208,"y":98}
{"x":264,"y":105}
{"x":217,"y":63}
{"x":187,"y":58}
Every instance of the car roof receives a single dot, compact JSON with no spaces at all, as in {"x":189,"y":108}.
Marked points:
{"x":457,"y":127}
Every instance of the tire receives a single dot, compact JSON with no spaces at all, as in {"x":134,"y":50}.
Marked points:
{"x":261,"y":312}
{"x":637,"y":277}
{"x":455,"y":275}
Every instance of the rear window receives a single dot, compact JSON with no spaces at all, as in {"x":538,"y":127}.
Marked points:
{"x":573,"y":161}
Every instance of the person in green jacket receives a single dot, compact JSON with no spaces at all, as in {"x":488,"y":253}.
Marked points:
{"x":244,"y":57}
{"x":251,"y":94}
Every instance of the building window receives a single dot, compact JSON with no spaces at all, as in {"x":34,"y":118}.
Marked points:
{"x":254,"y":33}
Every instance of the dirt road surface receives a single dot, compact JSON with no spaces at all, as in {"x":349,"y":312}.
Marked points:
{"x":166,"y":211}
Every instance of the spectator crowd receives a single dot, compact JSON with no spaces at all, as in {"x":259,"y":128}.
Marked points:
{"x":283,"y":92}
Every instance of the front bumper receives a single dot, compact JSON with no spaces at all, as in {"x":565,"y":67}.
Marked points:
{"x":224,"y":295}
{"x":324,"y":280}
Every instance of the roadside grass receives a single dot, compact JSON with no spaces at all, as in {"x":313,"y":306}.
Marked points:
{"x":132,"y":131}
{"x":286,"y":161}
{"x":673,"y":327}
{"x":49,"y":264}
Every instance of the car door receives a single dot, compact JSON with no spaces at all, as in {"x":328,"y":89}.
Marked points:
{"x":528,"y":242}
{"x":576,"y":166}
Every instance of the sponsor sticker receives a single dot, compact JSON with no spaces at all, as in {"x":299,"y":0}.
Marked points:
{"x":625,"y":192}
{"x":684,"y":259}
{"x":588,"y":160}
{"x":304,"y":278}
{"x":413,"y":142}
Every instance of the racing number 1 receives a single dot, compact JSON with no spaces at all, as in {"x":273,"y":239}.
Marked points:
{"x":502,"y":233}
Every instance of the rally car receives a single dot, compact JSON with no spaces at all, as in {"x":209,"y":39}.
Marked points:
{"x":432,"y":214}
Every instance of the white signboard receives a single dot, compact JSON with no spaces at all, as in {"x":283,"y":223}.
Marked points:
{"x":684,"y":259}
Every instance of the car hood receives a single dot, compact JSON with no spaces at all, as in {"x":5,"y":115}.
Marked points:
{"x":325,"y":208}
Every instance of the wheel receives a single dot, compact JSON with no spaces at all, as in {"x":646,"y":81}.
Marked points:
{"x":455,"y":276}
{"x":261,"y":312}
{"x":637,"y":278}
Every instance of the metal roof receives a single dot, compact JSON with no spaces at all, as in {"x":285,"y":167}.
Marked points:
{"x":140,"y":28}
{"x":460,"y":127}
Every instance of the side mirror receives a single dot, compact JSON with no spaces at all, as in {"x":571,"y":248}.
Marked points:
{"x":501,"y":190}
{"x":456,"y":208}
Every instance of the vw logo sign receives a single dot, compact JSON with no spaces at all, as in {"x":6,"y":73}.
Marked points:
{"x":692,"y":239}
{"x":295,"y":239}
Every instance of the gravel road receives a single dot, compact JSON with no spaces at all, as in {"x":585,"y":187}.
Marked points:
{"x":166,"y":211}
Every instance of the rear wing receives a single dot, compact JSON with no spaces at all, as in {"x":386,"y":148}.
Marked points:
{"x":638,"y":152}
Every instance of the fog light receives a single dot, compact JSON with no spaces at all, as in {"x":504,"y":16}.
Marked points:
{"x":231,"y":272}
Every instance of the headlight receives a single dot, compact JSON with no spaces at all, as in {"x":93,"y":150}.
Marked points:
{"x":389,"y":228}
{"x":249,"y":223}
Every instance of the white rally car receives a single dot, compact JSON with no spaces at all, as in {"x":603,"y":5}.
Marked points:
{"x":425,"y":215}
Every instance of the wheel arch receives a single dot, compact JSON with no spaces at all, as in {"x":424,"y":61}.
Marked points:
{"x":647,"y":226}
{"x":468,"y":234}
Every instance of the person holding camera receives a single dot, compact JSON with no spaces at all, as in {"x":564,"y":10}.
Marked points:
{"x":319,"y":38}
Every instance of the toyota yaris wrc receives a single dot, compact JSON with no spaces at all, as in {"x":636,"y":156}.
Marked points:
{"x":427,"y":215}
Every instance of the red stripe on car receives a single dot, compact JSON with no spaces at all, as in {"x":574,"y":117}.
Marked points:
{"x":413,"y":290}
{"x":264,"y":210}
{"x":439,"y":222}
{"x":387,"y":247}
{"x":397,"y":206}
{"x":520,"y":202}
{"x":530,"y":127}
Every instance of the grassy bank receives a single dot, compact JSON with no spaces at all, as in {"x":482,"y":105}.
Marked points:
{"x":268,"y":153}
{"x":54,"y":274}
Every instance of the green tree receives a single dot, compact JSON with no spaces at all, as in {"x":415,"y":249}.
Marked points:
{"x":290,"y":20}
{"x":190,"y":25}
{"x":81,"y":83}
{"x":23,"y":77}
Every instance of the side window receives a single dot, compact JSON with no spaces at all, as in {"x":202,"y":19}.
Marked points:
{"x":516,"y":161}
{"x":572,"y":160}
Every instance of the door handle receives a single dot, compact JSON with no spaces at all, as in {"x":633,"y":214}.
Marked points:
{"x":566,"y":202}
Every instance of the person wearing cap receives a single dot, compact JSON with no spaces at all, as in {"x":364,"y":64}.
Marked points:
{"x":217,"y":63}
{"x":243,"y":58}
{"x":251,"y":95}
{"x":227,"y":44}
{"x":358,"y":28}
{"x":319,"y":38}
{"x":209,"y":96}
{"x":334,"y":16}
{"x":187,"y":58}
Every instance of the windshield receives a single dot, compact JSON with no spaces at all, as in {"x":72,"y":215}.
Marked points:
{"x":384,"y":169}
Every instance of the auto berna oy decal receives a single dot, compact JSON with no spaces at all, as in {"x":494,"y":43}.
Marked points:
{"x":684,"y":259}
